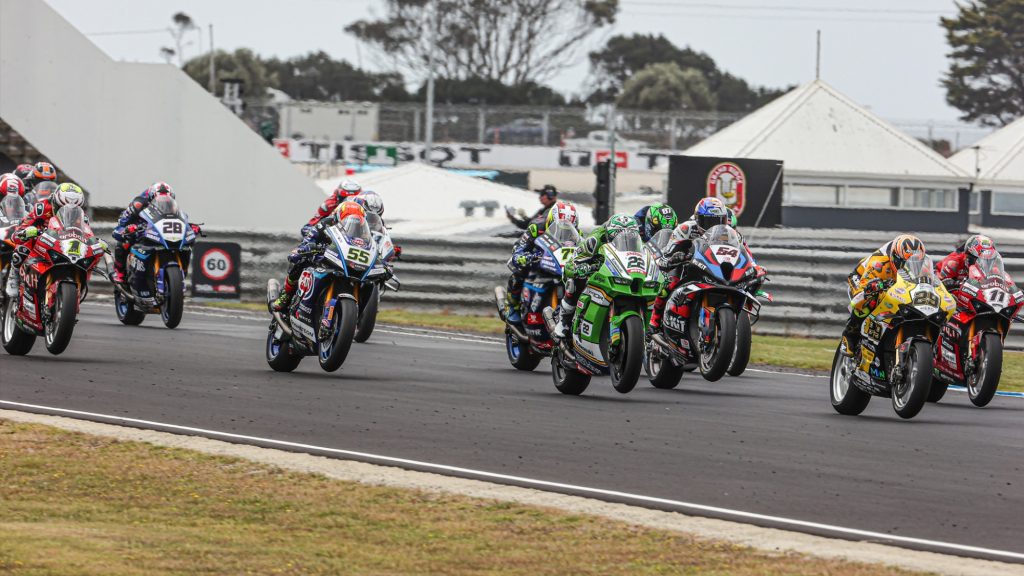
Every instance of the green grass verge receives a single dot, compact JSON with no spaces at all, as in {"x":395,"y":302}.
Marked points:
{"x":74,"y":504}
{"x":778,"y":351}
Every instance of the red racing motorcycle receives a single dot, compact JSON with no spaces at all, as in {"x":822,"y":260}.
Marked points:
{"x":54,"y":281}
{"x":969,"y":351}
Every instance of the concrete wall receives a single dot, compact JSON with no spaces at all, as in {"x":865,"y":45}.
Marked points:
{"x":117,"y":127}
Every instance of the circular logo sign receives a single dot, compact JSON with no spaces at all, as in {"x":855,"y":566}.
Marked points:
{"x":728,"y":183}
{"x":216,"y":265}
{"x":305,"y":283}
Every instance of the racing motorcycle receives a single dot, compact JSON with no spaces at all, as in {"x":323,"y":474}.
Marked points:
{"x":322,"y":317}
{"x":894,"y":358}
{"x":527,"y":343}
{"x":156,"y":266}
{"x":607,"y":332}
{"x":369,"y":305}
{"x":55,"y":280}
{"x":970,"y":347}
{"x":12,"y":211}
{"x":700,"y":327}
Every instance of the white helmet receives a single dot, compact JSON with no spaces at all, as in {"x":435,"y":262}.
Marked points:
{"x":372,"y":202}
{"x":67,"y":194}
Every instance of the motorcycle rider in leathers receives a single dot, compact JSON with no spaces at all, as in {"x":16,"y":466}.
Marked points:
{"x":654,"y":218}
{"x":952,"y":269}
{"x":525,"y":254}
{"x":872,"y":276}
{"x":39,"y":215}
{"x":130,"y":225}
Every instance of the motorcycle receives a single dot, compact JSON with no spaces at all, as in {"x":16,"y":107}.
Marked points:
{"x":12,"y":211}
{"x":156,"y":267}
{"x":970,"y":347}
{"x":700,"y":328}
{"x":529,"y":342}
{"x":369,"y":305}
{"x":607,"y":332}
{"x":322,"y":317}
{"x":55,"y":280}
{"x":894,"y":358}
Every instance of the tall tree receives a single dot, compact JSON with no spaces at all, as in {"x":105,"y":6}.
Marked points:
{"x":317,"y":76}
{"x":985,"y":80}
{"x":511,"y":41}
{"x":666,"y":86}
{"x":242,"y":64}
{"x":622,"y":57}
{"x":483,"y":91}
{"x":181,"y":24}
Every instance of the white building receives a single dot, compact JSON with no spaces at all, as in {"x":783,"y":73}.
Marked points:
{"x":996,"y":163}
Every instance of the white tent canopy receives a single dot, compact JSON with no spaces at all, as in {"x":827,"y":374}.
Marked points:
{"x":997,"y":159}
{"x":422,"y":199}
{"x":815,"y":129}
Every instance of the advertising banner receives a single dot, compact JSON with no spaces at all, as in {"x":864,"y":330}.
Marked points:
{"x":745,"y":185}
{"x":215,"y":270}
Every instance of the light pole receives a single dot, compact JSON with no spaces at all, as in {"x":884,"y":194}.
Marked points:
{"x":429,"y":139}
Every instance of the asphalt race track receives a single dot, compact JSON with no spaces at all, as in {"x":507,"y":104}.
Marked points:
{"x":765,"y":444}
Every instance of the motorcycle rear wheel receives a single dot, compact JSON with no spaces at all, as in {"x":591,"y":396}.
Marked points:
{"x":937,"y":390}
{"x":910,"y":396}
{"x":57,"y":333}
{"x":567,"y":381}
{"x":741,"y":357}
{"x":126,"y":312}
{"x":16,"y":341}
{"x":846,"y":398}
{"x":335,"y":350}
{"x":981,"y":387}
{"x":661,"y":371}
{"x":520,"y":355}
{"x":174,"y":296}
{"x":279,"y":354}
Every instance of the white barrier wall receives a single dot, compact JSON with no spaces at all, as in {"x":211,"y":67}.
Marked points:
{"x":117,"y":127}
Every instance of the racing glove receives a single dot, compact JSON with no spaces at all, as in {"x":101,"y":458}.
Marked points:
{"x":667,"y":263}
{"x":197,"y":230}
{"x":874,"y":287}
{"x":26,"y":233}
{"x":524,"y":260}
{"x":398,"y":252}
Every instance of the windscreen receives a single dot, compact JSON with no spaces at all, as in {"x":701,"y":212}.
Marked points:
{"x":355,"y":227}
{"x":164,"y":206}
{"x":44,"y":189}
{"x":990,"y":264}
{"x":918,"y":268}
{"x":564,"y":234}
{"x":661,"y":238}
{"x":628,"y":241}
{"x":71,"y":216}
{"x":13,"y":208}
{"x":722,"y":234}
{"x":375,"y":223}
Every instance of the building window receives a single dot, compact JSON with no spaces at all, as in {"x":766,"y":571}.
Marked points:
{"x":1008,"y":202}
{"x":870,"y":196}
{"x":814,"y":194}
{"x":929,"y":198}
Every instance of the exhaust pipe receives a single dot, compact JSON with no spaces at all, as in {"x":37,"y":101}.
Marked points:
{"x":273,"y":291}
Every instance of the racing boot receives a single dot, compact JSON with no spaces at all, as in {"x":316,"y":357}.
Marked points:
{"x":13,"y":280}
{"x":565,"y":314}
{"x":513,"y":303}
{"x":851,"y":336}
{"x":284,"y":299}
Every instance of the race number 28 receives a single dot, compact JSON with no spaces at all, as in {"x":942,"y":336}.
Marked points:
{"x":216,"y":264}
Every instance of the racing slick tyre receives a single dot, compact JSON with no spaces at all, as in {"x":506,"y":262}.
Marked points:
{"x":126,"y":312}
{"x":567,"y":381}
{"x":937,"y":390}
{"x":16,"y":341}
{"x":520,"y":355}
{"x":334,"y":349}
{"x":57,"y":333}
{"x":368,"y":316}
{"x":279,"y":354}
{"x":981,"y":386}
{"x":846,"y":398}
{"x":661,"y":371}
{"x":741,"y":357}
{"x":174,"y":297}
{"x":909,"y":396}
{"x":625,"y":369}
{"x":714,"y":360}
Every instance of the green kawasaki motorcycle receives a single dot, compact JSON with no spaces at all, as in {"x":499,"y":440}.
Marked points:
{"x":607,"y":332}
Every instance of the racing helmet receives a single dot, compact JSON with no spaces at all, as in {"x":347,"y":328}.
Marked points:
{"x":161,"y":189}
{"x":11,"y":184}
{"x":371,"y":202}
{"x":710,"y":212}
{"x":349,"y":208}
{"x":977,"y":246}
{"x":67,"y":194}
{"x":903,"y":247}
{"x":347,"y":189}
{"x":659,"y":217}
{"x":44,"y":171}
{"x":562,"y":212}
{"x":23,"y":171}
{"x":620,"y":223}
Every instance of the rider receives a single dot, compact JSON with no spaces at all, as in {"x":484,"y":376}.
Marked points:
{"x":587,"y":260}
{"x":130,"y":223}
{"x":11,"y":184}
{"x":346,"y":190}
{"x":311,"y":236}
{"x":41,"y":172}
{"x":871,"y":277}
{"x":525,"y":254}
{"x":707,"y":213}
{"x":548,"y":196}
{"x":654,"y":218}
{"x":24,"y":171}
{"x":952,"y":269}
{"x":67,"y":194}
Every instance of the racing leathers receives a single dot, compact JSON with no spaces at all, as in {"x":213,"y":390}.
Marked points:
{"x":24,"y":238}
{"x":524,"y":255}
{"x":672,"y":260}
{"x":129,"y":224}
{"x":871,"y":277}
{"x":587,"y":260}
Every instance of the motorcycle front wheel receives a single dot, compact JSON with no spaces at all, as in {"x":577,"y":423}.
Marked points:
{"x":981,"y":386}
{"x":174,"y":297}
{"x":714,"y":359}
{"x":909,"y":396}
{"x":58,"y":331}
{"x":625,"y":370}
{"x":741,"y":357}
{"x":334,"y":349}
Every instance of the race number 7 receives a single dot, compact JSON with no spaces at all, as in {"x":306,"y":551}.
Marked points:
{"x":357,"y":255}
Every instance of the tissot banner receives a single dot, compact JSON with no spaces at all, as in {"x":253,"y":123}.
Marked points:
{"x":743,"y":184}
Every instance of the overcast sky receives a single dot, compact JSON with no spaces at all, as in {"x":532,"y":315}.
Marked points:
{"x":884,"y":54}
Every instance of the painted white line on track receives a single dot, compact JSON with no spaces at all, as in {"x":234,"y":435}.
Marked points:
{"x":541,"y":484}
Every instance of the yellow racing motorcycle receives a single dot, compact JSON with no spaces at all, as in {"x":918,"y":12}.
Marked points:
{"x":897,"y":339}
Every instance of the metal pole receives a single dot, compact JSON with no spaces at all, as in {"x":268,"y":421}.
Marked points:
{"x":429,"y":140}
{"x":817,"y":59}
{"x":213,"y":66}
{"x":613,"y":168}
{"x":481,"y":125}
{"x":545,"y":128}
{"x":673,"y":128}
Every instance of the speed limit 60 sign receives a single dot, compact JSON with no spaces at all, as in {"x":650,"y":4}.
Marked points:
{"x":215,"y":270}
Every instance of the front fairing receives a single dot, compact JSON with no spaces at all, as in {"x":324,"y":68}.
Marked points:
{"x":169,"y":231}
{"x":355,"y":257}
